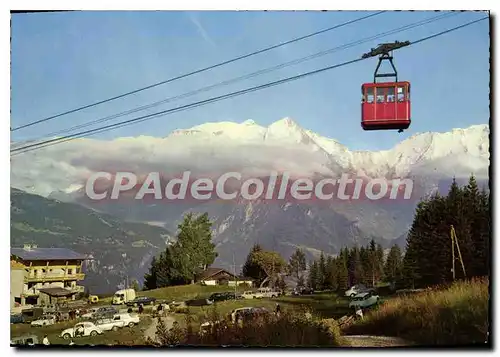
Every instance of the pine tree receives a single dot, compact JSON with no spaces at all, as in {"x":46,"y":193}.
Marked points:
{"x":342,"y":271}
{"x":428,"y":258}
{"x":251,"y":269}
{"x":312,"y":280}
{"x":355,"y":267}
{"x":331,"y":272}
{"x":297,"y":263}
{"x":150,"y":277}
{"x":322,"y":272}
{"x":393,"y":269}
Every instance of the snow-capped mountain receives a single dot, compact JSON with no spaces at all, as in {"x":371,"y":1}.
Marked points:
{"x":214,"y":148}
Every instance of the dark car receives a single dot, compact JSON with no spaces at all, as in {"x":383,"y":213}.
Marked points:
{"x":16,"y":319}
{"x":224,"y":296}
{"x":199,"y":302}
{"x":105,"y":311}
{"x":32,"y":314}
{"x":144,"y":300}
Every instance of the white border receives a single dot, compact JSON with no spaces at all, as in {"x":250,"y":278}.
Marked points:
{"x":192,"y":5}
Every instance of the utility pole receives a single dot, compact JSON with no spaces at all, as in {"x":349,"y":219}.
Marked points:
{"x":234,"y":272}
{"x":454,"y":241}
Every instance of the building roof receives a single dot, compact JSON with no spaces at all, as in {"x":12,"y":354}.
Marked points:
{"x":210,"y":272}
{"x":16,"y":265}
{"x":46,"y":254}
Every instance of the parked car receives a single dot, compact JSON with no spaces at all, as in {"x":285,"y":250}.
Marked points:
{"x":355,"y":290}
{"x":81,"y":329}
{"x":366,"y":299}
{"x":89,"y":313}
{"x":198,"y":302}
{"x":118,"y":321}
{"x":32,"y":314}
{"x":144,"y":300}
{"x":105,"y":311}
{"x":25,"y":340}
{"x":45,"y":320}
{"x":252,"y":295}
{"x":224,"y":296}
{"x":178,"y":306}
{"x":269,"y":293}
{"x":247,"y":313}
{"x":16,"y":319}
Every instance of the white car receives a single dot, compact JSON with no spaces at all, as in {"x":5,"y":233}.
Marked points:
{"x":355,"y":290}
{"x":252,"y":295}
{"x":46,"y":320}
{"x":81,"y":329}
{"x":364,"y":300}
{"x":89,"y":314}
{"x":268,"y":293}
{"x":118,"y":321}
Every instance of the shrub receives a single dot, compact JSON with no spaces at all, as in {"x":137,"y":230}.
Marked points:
{"x":289,"y":329}
{"x":453,"y":315}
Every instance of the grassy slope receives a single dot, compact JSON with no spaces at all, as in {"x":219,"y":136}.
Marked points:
{"x":448,"y":316}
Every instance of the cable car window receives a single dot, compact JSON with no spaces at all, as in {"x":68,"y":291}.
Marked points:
{"x":380,"y":95}
{"x":369,"y":95}
{"x":390,"y":95}
{"x":401,"y":94}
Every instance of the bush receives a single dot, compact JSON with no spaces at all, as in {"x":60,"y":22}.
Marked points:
{"x":288,"y":329}
{"x":454,"y":315}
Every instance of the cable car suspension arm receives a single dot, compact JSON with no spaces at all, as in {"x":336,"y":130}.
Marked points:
{"x":384,"y":51}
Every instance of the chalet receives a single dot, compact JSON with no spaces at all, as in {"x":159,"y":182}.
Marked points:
{"x":215,"y":276}
{"x":219,"y":276}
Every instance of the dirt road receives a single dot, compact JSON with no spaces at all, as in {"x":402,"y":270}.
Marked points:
{"x":375,"y":341}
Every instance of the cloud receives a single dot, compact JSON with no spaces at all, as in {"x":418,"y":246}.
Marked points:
{"x":201,"y":30}
{"x":252,"y":152}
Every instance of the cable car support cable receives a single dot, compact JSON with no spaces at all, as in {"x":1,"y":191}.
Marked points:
{"x":198,"y":71}
{"x":248,"y":76}
{"x":221,"y":97}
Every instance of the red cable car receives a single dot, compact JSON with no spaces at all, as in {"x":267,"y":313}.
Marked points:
{"x":385,"y":105}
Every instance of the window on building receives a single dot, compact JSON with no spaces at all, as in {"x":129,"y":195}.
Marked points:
{"x":70,"y":271}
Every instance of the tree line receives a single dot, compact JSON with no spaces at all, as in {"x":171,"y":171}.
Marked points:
{"x":427,"y":261}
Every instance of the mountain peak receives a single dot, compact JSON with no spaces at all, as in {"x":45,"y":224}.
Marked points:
{"x":285,"y":122}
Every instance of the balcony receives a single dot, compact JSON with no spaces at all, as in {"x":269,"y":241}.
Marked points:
{"x":53,"y":277}
{"x":34,"y":291}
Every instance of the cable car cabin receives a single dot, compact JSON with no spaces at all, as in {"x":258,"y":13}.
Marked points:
{"x":385,"y":106}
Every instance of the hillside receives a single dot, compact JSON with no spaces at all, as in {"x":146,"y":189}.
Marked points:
{"x":119,"y":249}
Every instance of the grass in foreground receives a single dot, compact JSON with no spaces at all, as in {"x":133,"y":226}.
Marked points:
{"x":448,"y":316}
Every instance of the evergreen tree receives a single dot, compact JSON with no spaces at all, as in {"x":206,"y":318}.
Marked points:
{"x":251,"y":268}
{"x":355,"y":267}
{"x":393,"y":269}
{"x":150,"y":277}
{"x":342,"y":271}
{"x":322,"y":272}
{"x":312,"y":281}
{"x":297,"y":263}
{"x":182,"y":261}
{"x":331,"y":274}
{"x":428,"y":258}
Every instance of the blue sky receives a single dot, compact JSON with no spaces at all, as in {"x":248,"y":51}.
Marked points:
{"x":64,"y":60}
